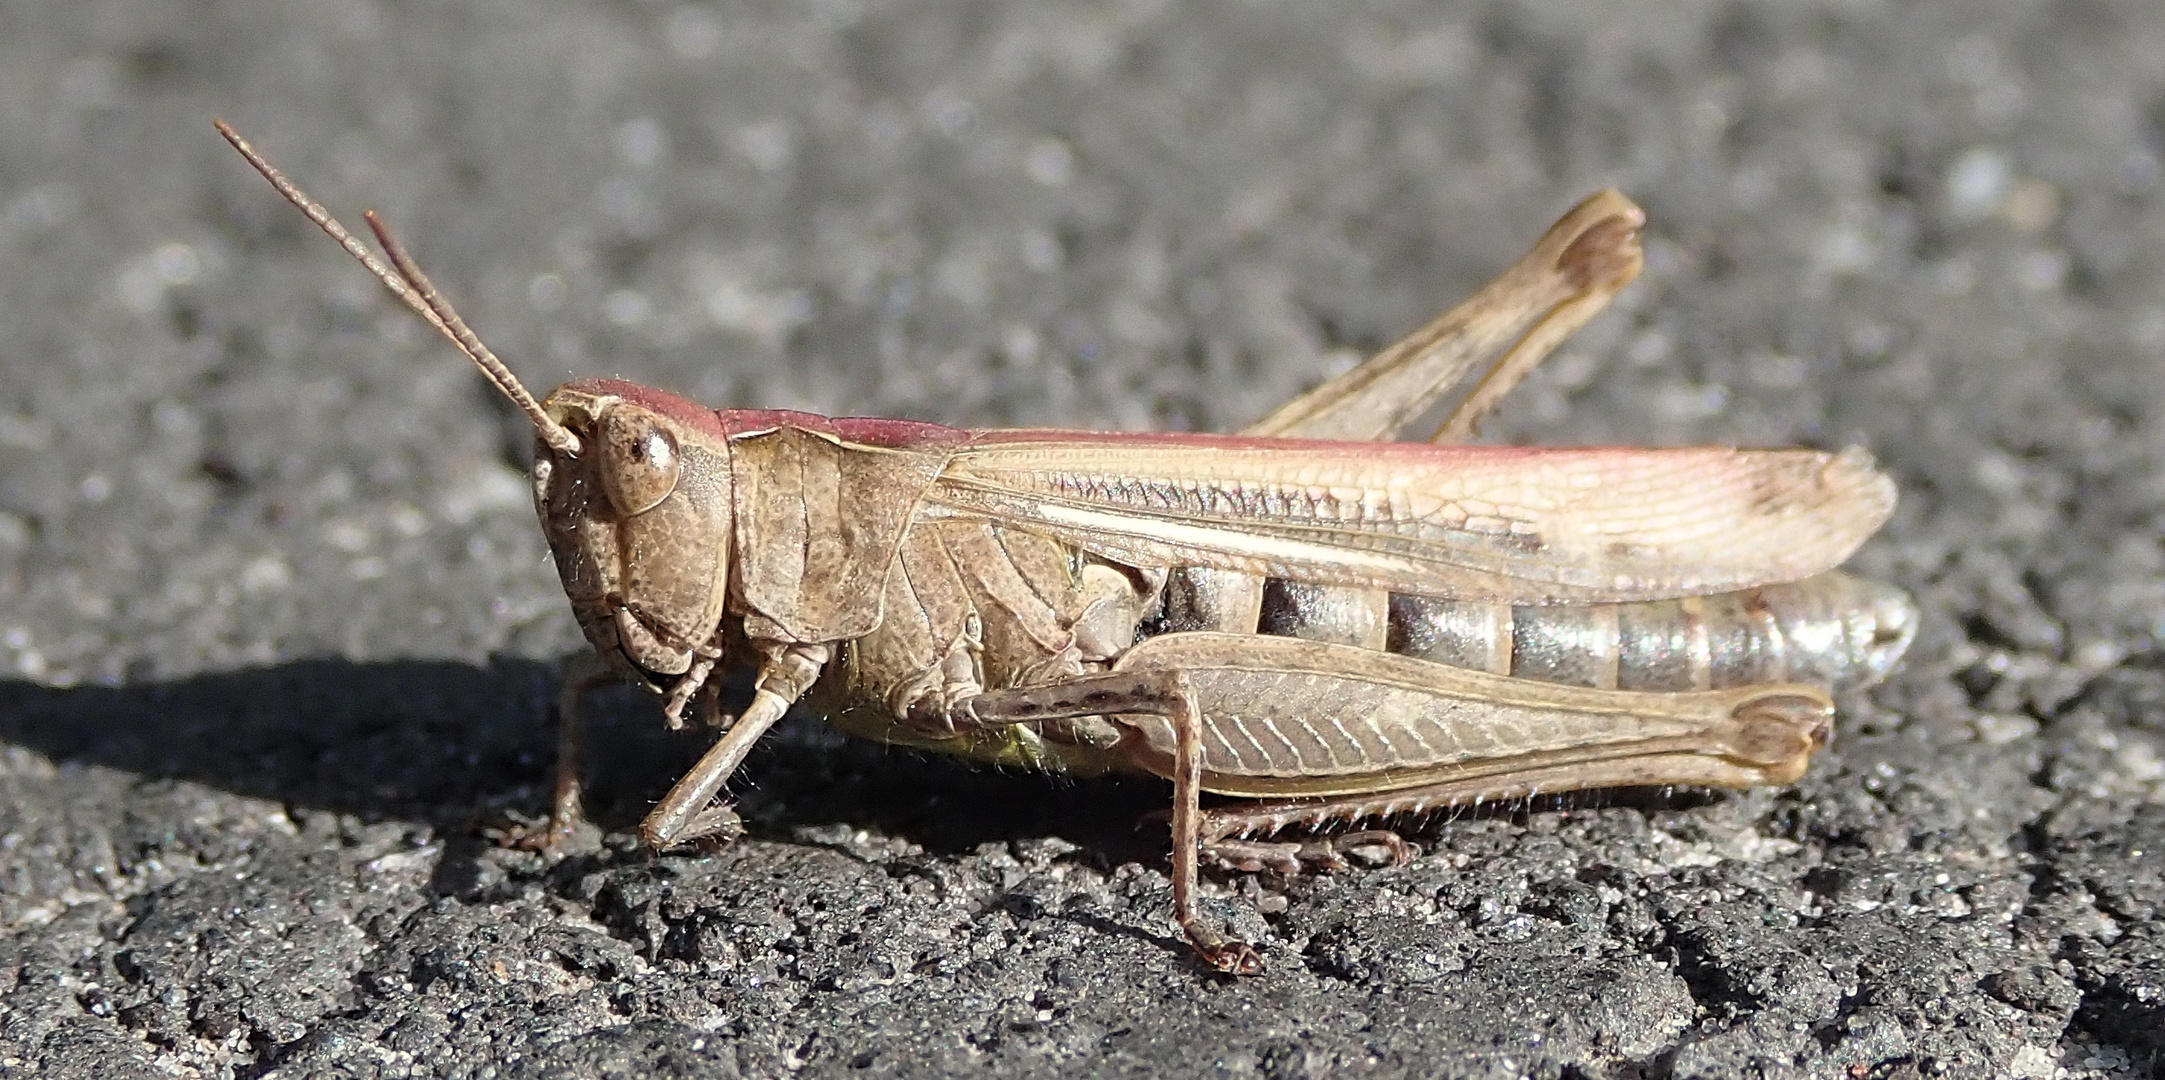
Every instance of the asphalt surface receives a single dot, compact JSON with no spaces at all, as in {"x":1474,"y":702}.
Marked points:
{"x":276,"y":626}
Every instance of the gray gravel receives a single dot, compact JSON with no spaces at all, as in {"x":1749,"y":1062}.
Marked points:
{"x":276,"y":625}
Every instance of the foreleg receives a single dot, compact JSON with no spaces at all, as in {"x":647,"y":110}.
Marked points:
{"x":585,"y":672}
{"x":685,"y":814}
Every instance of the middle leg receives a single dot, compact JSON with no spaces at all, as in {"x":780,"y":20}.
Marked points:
{"x":1166,"y":693}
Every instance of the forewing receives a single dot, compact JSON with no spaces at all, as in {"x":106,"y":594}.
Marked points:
{"x":1516,"y":525}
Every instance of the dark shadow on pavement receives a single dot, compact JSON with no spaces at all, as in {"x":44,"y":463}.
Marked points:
{"x":443,"y":741}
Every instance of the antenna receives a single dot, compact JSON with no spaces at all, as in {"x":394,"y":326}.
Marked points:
{"x":413,"y":288}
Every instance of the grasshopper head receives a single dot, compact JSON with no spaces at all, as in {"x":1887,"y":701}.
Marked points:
{"x":633,"y":484}
{"x":639,"y":519}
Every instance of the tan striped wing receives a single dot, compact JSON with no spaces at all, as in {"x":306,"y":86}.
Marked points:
{"x":1517,"y":525}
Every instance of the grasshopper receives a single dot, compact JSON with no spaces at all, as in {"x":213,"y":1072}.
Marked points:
{"x":1318,"y":623}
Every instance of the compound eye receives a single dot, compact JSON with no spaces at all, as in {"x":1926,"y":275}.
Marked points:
{"x":638,"y":463}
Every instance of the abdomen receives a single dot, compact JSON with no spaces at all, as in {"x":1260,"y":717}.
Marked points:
{"x":1833,"y":630}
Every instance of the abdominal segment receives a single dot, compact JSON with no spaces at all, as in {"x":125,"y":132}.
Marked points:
{"x":1832,"y":630}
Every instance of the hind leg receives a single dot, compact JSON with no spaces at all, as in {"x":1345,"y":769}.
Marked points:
{"x":1325,"y":853}
{"x":1582,"y":262}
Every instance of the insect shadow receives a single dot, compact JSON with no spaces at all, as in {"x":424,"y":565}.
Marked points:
{"x":449,"y":744}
